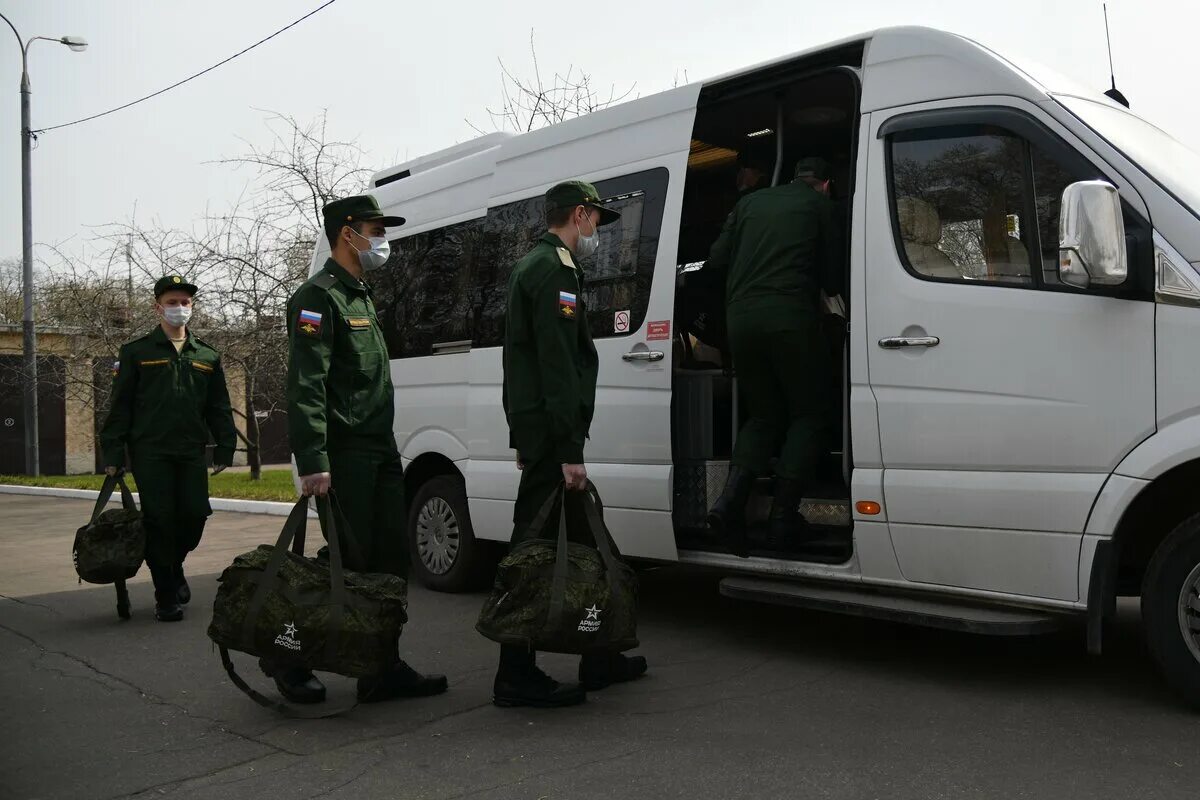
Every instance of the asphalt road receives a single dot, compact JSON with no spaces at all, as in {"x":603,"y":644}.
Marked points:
{"x":743,"y":701}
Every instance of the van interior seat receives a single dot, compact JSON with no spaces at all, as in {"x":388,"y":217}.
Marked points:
{"x":921,"y":230}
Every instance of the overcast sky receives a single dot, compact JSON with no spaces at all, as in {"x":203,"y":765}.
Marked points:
{"x":400,"y":77}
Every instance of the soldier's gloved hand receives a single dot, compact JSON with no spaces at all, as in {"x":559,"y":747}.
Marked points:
{"x":110,"y":471}
{"x":219,"y":468}
{"x":316,"y":484}
{"x":575,"y":476}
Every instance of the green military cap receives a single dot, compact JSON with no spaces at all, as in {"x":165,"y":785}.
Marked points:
{"x":813,"y":167}
{"x":359,"y":208}
{"x":578,"y":193}
{"x":168,"y":282}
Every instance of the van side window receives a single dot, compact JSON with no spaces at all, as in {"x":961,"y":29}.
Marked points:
{"x":617,"y":278}
{"x":422,"y":292}
{"x":960,"y":204}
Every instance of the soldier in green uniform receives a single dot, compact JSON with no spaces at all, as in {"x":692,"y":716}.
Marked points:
{"x":168,"y":399}
{"x":778,"y":251}
{"x":550,"y":368}
{"x":340,"y":412}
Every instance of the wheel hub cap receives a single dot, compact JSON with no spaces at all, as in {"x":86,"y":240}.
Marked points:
{"x":437,"y":536}
{"x":1189,"y":612}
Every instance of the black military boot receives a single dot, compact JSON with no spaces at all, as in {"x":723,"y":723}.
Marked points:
{"x":520,"y":683}
{"x":786,"y":525}
{"x":296,"y":684}
{"x":183,"y":592}
{"x":727,"y":519}
{"x":166,"y":602}
{"x":401,"y":681}
{"x":166,"y":607}
{"x":600,"y":670}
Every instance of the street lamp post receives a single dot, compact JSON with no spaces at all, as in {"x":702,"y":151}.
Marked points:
{"x":29,"y":336}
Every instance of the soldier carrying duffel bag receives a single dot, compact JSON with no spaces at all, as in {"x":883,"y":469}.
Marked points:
{"x":296,"y":612}
{"x":110,"y":548}
{"x":560,"y":595}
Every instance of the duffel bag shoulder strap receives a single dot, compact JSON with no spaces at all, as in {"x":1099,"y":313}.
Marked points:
{"x":106,"y":490}
{"x":330,"y":510}
{"x":558,"y":585}
{"x":287,"y":709}
{"x":594,"y":510}
{"x":126,"y":495}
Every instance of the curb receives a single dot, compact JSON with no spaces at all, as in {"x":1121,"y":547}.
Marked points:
{"x":218,"y":503}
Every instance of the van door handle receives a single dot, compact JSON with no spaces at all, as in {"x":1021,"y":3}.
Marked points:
{"x":896,"y":342}
{"x":644,"y":355}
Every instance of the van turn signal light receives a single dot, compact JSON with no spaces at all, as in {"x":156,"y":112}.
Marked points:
{"x":867,"y":508}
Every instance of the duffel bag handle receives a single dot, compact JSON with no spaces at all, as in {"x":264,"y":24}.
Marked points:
{"x":592,"y":510}
{"x":329,"y":509}
{"x":111,"y":482}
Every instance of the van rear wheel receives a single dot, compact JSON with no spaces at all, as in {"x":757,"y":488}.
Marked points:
{"x":445,"y":555}
{"x":1171,"y":608}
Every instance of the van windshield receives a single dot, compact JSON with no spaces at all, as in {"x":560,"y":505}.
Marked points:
{"x":1175,"y":166}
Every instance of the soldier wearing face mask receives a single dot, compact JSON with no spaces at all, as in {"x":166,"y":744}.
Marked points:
{"x":340,"y":412}
{"x":168,"y":399}
{"x":550,"y":369}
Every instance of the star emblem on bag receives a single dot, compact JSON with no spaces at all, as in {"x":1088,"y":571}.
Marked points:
{"x":289,"y":630}
{"x":593,"y":612}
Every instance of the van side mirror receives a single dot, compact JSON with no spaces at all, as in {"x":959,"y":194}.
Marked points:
{"x":1091,"y":236}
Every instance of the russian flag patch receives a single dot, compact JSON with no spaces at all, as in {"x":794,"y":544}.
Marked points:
{"x":309,"y":322}
{"x":566,"y":305}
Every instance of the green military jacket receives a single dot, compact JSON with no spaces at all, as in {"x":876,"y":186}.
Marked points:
{"x":168,"y":402}
{"x":339,"y":379}
{"x":778,"y":248}
{"x":550,"y":363}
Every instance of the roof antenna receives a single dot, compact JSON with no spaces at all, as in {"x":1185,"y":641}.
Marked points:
{"x":1114,"y":93}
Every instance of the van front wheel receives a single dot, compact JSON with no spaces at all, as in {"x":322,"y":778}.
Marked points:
{"x":445,"y":555}
{"x":1171,"y":608}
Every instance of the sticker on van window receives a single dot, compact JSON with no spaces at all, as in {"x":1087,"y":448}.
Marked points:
{"x":621,"y":322}
{"x":656,"y":331}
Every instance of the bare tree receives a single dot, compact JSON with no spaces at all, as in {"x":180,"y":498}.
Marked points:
{"x":534,"y":101}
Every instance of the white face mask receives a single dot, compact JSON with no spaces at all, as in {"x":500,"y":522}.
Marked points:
{"x":177,"y":316}
{"x":377,"y":255}
{"x":586,"y":245}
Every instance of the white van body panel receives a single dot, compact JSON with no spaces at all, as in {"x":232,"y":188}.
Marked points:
{"x":996,"y":441}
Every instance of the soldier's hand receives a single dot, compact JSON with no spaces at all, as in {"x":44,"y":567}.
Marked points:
{"x":316,"y":484}
{"x":575,"y":476}
{"x":111,"y":471}
{"x":520,"y":463}
{"x":219,"y":468}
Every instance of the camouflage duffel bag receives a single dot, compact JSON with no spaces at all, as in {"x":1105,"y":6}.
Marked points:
{"x":294,"y":611}
{"x":110,"y":548}
{"x":559,"y":596}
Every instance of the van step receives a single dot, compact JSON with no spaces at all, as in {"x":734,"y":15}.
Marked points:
{"x":926,"y":611}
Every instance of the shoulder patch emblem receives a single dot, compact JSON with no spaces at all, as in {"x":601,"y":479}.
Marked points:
{"x":116,"y":368}
{"x":566,"y":305}
{"x":564,"y":255}
{"x":309,"y":322}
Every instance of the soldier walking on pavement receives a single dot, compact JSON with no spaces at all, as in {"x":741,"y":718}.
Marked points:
{"x":340,"y":412}
{"x":778,"y":251}
{"x":169,"y":397}
{"x":550,"y":368}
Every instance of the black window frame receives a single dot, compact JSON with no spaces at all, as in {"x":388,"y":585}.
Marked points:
{"x":1139,"y":283}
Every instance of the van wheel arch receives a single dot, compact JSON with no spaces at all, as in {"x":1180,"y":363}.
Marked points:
{"x":1156,"y":511}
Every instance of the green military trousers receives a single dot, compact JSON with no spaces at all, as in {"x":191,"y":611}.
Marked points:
{"x":783,"y":379}
{"x":173,"y":490}
{"x":370,"y":487}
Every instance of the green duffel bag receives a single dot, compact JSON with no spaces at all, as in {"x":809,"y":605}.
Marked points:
{"x":293,"y":611}
{"x":558,"y":596}
{"x":111,"y":547}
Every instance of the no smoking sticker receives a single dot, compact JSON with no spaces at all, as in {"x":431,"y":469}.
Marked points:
{"x":621,"y":322}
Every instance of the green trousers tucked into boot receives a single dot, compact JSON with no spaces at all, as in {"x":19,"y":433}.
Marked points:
{"x":173,"y":490}
{"x":783,"y":378}
{"x":370,"y":488}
